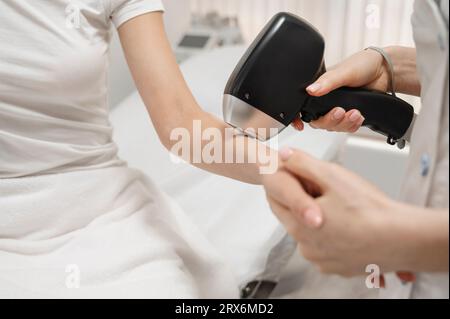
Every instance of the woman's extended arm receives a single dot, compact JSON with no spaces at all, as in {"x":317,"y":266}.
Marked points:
{"x":172,"y":106}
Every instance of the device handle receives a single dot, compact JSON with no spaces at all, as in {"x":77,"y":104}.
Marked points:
{"x":384,"y":113}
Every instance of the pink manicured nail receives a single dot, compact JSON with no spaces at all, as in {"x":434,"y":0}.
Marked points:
{"x":355,"y":116}
{"x":313,"y":218}
{"x":286,"y":153}
{"x":314,"y":87}
{"x":339,"y":114}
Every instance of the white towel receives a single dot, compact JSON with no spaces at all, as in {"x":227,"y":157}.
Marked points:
{"x":106,"y":233}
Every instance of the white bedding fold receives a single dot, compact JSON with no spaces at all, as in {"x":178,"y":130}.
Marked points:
{"x":124,"y":237}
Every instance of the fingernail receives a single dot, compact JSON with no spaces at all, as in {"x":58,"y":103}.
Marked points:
{"x":355,"y":116}
{"x":286,"y":153}
{"x":339,"y":114}
{"x":313,"y":218}
{"x":297,"y":126}
{"x":314,"y":87}
{"x":406,"y":276}
{"x":382,"y":281}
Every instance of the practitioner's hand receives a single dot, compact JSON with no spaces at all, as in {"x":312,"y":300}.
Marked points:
{"x":341,"y":222}
{"x":364,"y":69}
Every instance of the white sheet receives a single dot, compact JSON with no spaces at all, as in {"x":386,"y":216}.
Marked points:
{"x":234,"y":216}
{"x":106,"y":233}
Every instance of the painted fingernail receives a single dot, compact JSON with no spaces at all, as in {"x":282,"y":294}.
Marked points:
{"x":339,"y":114}
{"x":313,"y":218}
{"x":314,"y":87}
{"x":382,"y":281}
{"x":297,"y":126}
{"x":406,"y":276}
{"x":355,"y":117}
{"x":286,"y":153}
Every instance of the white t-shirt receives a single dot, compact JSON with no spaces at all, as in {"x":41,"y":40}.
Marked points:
{"x":53,"y":83}
{"x":124,"y":237}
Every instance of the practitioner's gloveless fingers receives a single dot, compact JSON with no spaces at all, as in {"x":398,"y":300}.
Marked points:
{"x":305,"y":167}
{"x":298,"y":124}
{"x":287,"y":218}
{"x":340,"y":121}
{"x":351,"y":123}
{"x":363,"y":69}
{"x":287,"y":190}
{"x":331,"y":120}
{"x":329,"y":81}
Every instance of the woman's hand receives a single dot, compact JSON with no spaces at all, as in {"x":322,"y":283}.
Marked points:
{"x":343,"y":223}
{"x":364,"y":69}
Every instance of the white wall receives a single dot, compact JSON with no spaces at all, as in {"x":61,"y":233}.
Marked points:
{"x":342,"y":22}
{"x":176,"y":18}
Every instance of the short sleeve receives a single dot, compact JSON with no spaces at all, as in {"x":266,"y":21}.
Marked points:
{"x":123,"y":10}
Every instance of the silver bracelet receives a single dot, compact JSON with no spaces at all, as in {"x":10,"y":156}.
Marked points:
{"x":390,"y":65}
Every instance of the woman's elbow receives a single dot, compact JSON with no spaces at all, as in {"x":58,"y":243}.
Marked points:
{"x":172,"y":120}
{"x":166,"y":136}
{"x":172,"y":131}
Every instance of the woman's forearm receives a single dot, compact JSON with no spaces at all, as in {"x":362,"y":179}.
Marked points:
{"x":405,"y":69}
{"x":212,"y":145}
{"x":422,"y":239}
{"x":182,"y":126}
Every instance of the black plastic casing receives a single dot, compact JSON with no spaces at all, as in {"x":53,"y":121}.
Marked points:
{"x":275,"y":71}
{"x":288,"y":56}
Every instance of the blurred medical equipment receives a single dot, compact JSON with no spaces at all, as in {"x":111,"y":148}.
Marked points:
{"x":267,"y":89}
{"x":242,"y":228}
{"x":207,"y":32}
